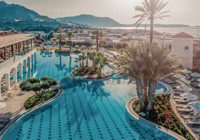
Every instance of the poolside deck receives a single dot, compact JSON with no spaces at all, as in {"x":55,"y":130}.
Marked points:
{"x":15,"y":104}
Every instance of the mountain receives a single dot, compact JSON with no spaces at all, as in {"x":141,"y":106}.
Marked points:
{"x":17,"y":12}
{"x":94,"y":21}
{"x":91,"y":20}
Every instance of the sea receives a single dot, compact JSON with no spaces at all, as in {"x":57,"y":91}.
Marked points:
{"x":194,"y":31}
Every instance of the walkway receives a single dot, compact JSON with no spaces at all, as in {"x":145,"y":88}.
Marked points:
{"x":15,"y":104}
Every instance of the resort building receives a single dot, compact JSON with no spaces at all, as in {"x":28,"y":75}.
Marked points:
{"x":17,"y":55}
{"x":183,"y":45}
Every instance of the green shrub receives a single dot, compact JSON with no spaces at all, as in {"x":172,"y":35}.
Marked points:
{"x":33,"y":80}
{"x":163,"y":117}
{"x":45,"y":79}
{"x":168,"y":106}
{"x":166,"y":99}
{"x":166,"y":125}
{"x":163,"y":106}
{"x":178,"y":124}
{"x":177,"y":131}
{"x":188,"y":137}
{"x":162,"y":98}
{"x":36,"y":87}
{"x":34,"y":100}
{"x":136,"y":102}
{"x":27,"y":87}
{"x":172,"y":126}
{"x":45,"y":85}
{"x":183,"y":129}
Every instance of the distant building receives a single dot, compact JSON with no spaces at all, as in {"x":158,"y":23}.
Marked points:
{"x":181,"y":44}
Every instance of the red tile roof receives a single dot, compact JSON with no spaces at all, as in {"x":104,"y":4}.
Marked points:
{"x":182,"y":35}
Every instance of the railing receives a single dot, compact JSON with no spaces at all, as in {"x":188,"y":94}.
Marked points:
{"x":14,"y":58}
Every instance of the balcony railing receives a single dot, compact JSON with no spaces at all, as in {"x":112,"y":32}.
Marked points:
{"x":15,"y":58}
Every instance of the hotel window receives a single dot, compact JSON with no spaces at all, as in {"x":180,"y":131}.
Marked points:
{"x":170,"y":46}
{"x":187,"y":49}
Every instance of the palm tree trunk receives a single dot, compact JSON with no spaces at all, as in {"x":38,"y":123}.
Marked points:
{"x":60,"y":44}
{"x":70,"y":45}
{"x":87,"y":62}
{"x":97,"y":40}
{"x":140,"y":94}
{"x":151,"y":30}
{"x":82,"y":63}
{"x":152,"y":90}
{"x":145,"y":94}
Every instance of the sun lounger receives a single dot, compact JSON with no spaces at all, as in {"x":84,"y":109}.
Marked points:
{"x":185,"y":109}
{"x":181,"y":101}
{"x":193,"y":122}
{"x":183,"y":106}
{"x":197,"y":130}
{"x":179,"y":97}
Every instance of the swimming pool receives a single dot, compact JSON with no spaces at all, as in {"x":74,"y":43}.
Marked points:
{"x":87,"y":109}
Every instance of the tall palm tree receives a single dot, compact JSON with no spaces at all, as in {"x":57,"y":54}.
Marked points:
{"x":103,"y":61}
{"x":83,"y":59}
{"x":70,"y":35}
{"x":87,"y":58}
{"x":150,"y":11}
{"x":60,"y":37}
{"x":79,"y":59}
{"x":96,"y":35}
{"x":145,"y":65}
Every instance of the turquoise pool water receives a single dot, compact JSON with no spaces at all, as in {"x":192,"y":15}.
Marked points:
{"x":87,"y":109}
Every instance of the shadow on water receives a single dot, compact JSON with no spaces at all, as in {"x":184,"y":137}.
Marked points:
{"x":83,"y":96}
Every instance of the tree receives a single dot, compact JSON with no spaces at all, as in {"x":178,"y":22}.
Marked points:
{"x":103,"y":62}
{"x":96,"y":35}
{"x":38,"y":85}
{"x":38,"y":36}
{"x":70,"y":35}
{"x":87,"y":58}
{"x":150,"y":11}
{"x":60,"y":37}
{"x":145,"y":64}
{"x":51,"y":35}
{"x":79,"y":59}
{"x":45,"y":85}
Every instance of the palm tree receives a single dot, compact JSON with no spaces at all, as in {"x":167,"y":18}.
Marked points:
{"x":145,"y":65}
{"x":97,"y":34}
{"x":60,"y":66}
{"x":150,"y":11}
{"x":83,"y":59}
{"x":96,"y":61}
{"x":79,"y":59}
{"x":103,"y":61}
{"x":60,"y":37}
{"x":87,"y":58}
{"x":70,"y":35}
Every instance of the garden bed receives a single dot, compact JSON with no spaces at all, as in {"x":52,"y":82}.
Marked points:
{"x":88,"y":73}
{"x":162,"y":114}
{"x":35,"y":100}
{"x":62,"y":51}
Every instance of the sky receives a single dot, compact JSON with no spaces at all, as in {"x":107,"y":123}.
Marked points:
{"x":181,"y":11}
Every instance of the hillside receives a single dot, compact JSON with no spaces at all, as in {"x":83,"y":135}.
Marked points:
{"x":17,"y":12}
{"x":91,"y":20}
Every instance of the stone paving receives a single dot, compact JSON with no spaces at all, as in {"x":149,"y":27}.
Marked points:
{"x":14,"y":103}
